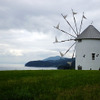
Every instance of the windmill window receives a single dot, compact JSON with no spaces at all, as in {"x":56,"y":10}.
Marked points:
{"x":84,"y":56}
{"x":79,"y":67}
{"x":97,"y":55}
{"x":93,"y":56}
{"x":90,"y":68}
{"x":80,"y":40}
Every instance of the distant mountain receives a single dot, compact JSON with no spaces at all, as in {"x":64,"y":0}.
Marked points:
{"x":50,"y":62}
{"x":53,"y":58}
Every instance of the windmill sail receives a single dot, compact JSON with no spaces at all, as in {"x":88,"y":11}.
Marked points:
{"x":57,"y":27}
{"x":67,"y":40}
{"x":73,"y":53}
{"x":56,"y":40}
{"x":83,"y":17}
{"x":74,"y":13}
{"x":69,"y":24}
{"x":61,"y":54}
{"x":65,"y":16}
{"x":76,"y":32}
{"x":69,"y":48}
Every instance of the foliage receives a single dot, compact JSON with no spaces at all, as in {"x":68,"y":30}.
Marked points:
{"x":67,"y":66}
{"x":49,"y":63}
{"x":50,"y":85}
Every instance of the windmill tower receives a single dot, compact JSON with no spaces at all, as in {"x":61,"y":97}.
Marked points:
{"x":88,"y":49}
{"x":86,"y":45}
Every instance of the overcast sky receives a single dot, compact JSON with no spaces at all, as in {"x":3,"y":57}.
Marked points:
{"x":26,"y":27}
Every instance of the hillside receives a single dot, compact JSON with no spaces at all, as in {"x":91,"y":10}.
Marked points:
{"x":50,"y":62}
{"x":53,"y":58}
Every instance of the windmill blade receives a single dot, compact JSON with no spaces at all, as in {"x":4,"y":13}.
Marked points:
{"x":73,"y":53}
{"x":74,"y":13}
{"x":69,"y":24}
{"x":83,"y":17}
{"x":73,"y":56}
{"x":57,"y":27}
{"x":67,"y":40}
{"x":56,"y":40}
{"x":64,"y":16}
{"x":61,"y":54}
{"x":69,"y":48}
{"x":81,"y":24}
{"x":67,"y":33}
{"x":91,"y":22}
{"x":70,"y":63}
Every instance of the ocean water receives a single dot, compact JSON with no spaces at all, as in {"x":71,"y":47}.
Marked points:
{"x":22,"y":67}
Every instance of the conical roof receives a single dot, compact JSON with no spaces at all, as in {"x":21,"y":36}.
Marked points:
{"x":89,"y":33}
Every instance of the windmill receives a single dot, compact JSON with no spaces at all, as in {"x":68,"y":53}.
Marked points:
{"x":76,"y":32}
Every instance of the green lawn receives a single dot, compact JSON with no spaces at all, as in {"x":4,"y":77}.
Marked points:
{"x":50,"y":85}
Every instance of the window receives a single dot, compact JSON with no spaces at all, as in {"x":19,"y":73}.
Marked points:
{"x":79,"y":67}
{"x":84,"y":56}
{"x":90,"y":68}
{"x":80,"y":40}
{"x":93,"y":56}
{"x":97,"y":55}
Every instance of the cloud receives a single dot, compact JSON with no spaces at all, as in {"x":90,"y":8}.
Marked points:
{"x":26,"y":27}
{"x":24,"y":45}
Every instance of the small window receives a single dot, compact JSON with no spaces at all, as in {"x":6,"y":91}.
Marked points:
{"x":79,"y":67}
{"x":97,"y":55}
{"x":80,"y":40}
{"x":93,"y":56}
{"x":90,"y":68}
{"x":84,"y":56}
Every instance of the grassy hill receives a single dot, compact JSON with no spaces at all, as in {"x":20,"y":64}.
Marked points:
{"x":50,"y":85}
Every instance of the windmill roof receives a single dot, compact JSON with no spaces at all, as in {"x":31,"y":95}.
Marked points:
{"x":89,"y":33}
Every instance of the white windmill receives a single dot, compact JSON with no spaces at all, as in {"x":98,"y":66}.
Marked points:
{"x":86,"y":44}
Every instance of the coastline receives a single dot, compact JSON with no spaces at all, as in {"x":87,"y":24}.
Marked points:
{"x":5,"y":67}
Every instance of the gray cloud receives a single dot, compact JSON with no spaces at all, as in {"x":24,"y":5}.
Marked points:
{"x":26,"y":26}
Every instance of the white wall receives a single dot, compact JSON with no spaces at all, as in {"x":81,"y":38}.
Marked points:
{"x":87,"y":47}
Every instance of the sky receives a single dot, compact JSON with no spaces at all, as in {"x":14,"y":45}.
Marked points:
{"x":26,"y":27}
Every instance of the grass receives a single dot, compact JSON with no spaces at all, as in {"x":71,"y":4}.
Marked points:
{"x":50,"y":85}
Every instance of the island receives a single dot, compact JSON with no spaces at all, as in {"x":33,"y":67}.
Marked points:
{"x":57,"y":61}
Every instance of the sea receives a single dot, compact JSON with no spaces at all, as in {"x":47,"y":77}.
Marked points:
{"x":4,"y":67}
